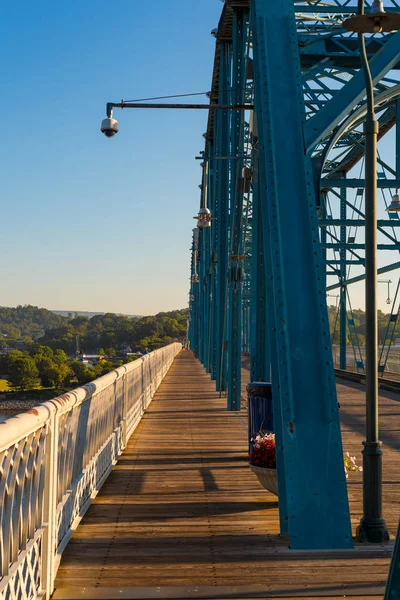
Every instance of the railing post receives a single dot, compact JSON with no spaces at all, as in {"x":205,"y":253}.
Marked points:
{"x":50,"y":507}
{"x":124,"y":410}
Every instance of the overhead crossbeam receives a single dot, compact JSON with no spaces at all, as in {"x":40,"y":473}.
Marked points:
{"x":325,"y":120}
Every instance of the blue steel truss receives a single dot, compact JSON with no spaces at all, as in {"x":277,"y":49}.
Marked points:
{"x":285,"y":188}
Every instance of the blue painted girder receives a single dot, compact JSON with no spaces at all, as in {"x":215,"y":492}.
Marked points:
{"x":236,"y":266}
{"x":392,"y":591}
{"x":325,"y":120}
{"x":317,"y":504}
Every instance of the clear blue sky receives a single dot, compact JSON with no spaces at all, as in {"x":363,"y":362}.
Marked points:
{"x":89,"y":223}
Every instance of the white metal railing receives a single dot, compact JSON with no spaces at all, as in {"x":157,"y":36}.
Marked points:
{"x":53,"y":461}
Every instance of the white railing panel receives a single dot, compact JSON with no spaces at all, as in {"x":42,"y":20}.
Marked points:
{"x":53,"y":461}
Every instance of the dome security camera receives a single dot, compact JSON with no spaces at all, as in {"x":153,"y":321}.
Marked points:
{"x":109,"y":127}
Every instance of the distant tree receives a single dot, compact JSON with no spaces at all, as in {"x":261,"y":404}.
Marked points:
{"x":82,"y":373}
{"x":108,"y":331}
{"x":22,"y":372}
{"x":52,"y":373}
{"x":361,"y":339}
{"x":60,"y":357}
{"x":144,"y":344}
{"x":46,"y":369}
{"x":105,"y":366}
{"x":27,"y":321}
{"x":131,"y":359}
{"x":38,"y":351}
{"x":80,"y":323}
{"x":110,"y":352}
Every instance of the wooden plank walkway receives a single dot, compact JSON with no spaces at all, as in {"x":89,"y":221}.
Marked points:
{"x":182,"y":516}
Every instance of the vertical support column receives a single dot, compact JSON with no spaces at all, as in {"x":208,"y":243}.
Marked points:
{"x":202,"y":295}
{"x":235,"y":267}
{"x":207,"y":279}
{"x":246,"y":327}
{"x":222,"y":216}
{"x":398,"y":139}
{"x":215,"y":308}
{"x":317,"y":504}
{"x":194,"y":295}
{"x":124,"y":410}
{"x":50,"y":507}
{"x":260,"y":367}
{"x":270,"y":343}
{"x":343,"y":275}
{"x":213,"y":253}
{"x":321,"y":213}
{"x":392,"y":591}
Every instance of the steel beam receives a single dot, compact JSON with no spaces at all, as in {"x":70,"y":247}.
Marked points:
{"x":357,"y":222}
{"x":235,"y":266}
{"x":260,"y":361}
{"x":222,"y":216}
{"x":359,"y":183}
{"x":270,"y":344}
{"x":326,"y":119}
{"x":385,"y":269}
{"x":343,"y":275}
{"x":392,"y":591}
{"x":318,"y":511}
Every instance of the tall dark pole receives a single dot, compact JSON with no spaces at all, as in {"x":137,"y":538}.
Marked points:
{"x":372,"y":526}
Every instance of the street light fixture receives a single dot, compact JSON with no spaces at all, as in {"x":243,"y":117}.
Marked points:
{"x":336,"y":296}
{"x":388,"y":282}
{"x":372,"y":526}
{"x":377,"y":21}
{"x":394,"y":206}
{"x":204,"y":218}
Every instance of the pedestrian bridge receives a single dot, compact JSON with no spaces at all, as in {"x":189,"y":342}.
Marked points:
{"x":137,"y":486}
{"x":282,"y":200}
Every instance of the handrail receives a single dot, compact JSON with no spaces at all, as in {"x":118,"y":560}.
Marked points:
{"x":53,"y":460}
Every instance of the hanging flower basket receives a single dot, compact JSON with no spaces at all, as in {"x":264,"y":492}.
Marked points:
{"x":267,"y":478}
{"x":263,"y":461}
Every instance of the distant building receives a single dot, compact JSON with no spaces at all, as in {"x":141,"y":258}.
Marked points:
{"x":125,"y":350}
{"x":93,"y":358}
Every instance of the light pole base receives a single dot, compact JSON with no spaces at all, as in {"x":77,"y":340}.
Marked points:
{"x":373,"y":531}
{"x":372,"y":526}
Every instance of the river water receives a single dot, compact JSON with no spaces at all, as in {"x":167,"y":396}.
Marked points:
{"x":10,"y":408}
{"x":6,"y":414}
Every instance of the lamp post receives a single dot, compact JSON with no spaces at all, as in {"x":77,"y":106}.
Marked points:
{"x":394,"y":206}
{"x":388,"y":282}
{"x":336,"y":296}
{"x":372,"y":526}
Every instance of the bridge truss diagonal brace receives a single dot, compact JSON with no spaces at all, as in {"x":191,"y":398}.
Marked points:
{"x":325,"y":120}
{"x":317,"y":503}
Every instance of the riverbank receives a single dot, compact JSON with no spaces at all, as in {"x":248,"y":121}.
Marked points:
{"x":16,"y":402}
{"x":16,"y":407}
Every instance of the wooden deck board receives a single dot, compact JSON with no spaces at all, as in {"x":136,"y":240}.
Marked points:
{"x":181,"y":508}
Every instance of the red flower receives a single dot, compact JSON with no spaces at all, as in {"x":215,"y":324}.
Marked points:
{"x":264,"y":453}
